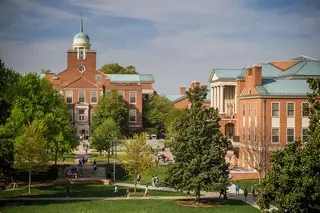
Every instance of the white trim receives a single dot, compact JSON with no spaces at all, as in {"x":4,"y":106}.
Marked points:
{"x":294,"y":109}
{"x":279,"y":105}
{"x":135,"y":92}
{"x":272,"y":135}
{"x":255,"y":110}
{"x":71,"y":96}
{"x":135,"y":115}
{"x":290,"y":135}
{"x":249,"y":109}
{"x":92,"y":96}
{"x":84,"y":95}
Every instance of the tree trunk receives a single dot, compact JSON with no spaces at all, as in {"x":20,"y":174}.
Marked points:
{"x":29,"y":181}
{"x":55,"y":157}
{"x":197,"y":192}
{"x":108,"y":155}
{"x":259,"y":177}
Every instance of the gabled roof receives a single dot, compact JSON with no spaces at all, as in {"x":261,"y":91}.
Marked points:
{"x":131,"y":78}
{"x":175,"y":98}
{"x":81,"y":82}
{"x":304,"y":58}
{"x":284,"y":87}
{"x":225,"y":74}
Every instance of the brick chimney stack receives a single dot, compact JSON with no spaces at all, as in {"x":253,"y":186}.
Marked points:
{"x":183,"y":90}
{"x":256,"y":75}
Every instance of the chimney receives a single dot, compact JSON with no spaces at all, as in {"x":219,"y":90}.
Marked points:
{"x":195,"y":84}
{"x":256,"y":75}
{"x":183,"y":90}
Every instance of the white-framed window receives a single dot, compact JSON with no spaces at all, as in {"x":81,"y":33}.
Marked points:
{"x":82,"y":96}
{"x":132,"y":97}
{"x":243,"y":109}
{"x":71,"y":114}
{"x":133,"y":115}
{"x":304,"y":134}
{"x":81,"y":114}
{"x":249,"y":109}
{"x":290,"y":134}
{"x":290,"y":109}
{"x":98,"y":77}
{"x":275,"y":109}
{"x":255,"y":110}
{"x":94,"y":96}
{"x":121,"y":94}
{"x":69,"y":95}
{"x":275,"y":135}
{"x":305,"y":109}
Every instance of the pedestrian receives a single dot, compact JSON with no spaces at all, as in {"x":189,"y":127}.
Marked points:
{"x":221,"y":192}
{"x":80,"y":163}
{"x":153,"y":182}
{"x":116,"y":190}
{"x":138,"y":178}
{"x":245,"y":192}
{"x":68,"y":190}
{"x":63,"y":157}
{"x":94,"y":165}
{"x":254,"y":193}
{"x":237,"y":189}
{"x":128,"y":193}
{"x":157,"y":181}
{"x":146,"y":192}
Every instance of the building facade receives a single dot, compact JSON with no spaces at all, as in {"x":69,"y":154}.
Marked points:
{"x":263,"y":107}
{"x":81,"y":84}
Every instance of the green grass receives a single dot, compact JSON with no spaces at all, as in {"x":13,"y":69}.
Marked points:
{"x":101,"y":158}
{"x":81,"y":190}
{"x":247,"y":183}
{"x":124,"y":206}
{"x":70,"y":158}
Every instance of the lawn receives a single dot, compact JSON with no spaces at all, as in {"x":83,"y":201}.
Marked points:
{"x":82,"y":190}
{"x":247,"y":183}
{"x":101,"y":158}
{"x":124,"y":206}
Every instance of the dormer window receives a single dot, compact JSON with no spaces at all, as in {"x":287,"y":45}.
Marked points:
{"x":81,"y":53}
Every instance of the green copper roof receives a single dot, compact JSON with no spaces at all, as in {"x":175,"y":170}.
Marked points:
{"x":131,"y":78}
{"x":174,"y":98}
{"x":284,"y":87}
{"x":227,"y":73}
{"x":82,"y":35}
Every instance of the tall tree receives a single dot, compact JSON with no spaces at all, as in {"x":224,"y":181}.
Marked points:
{"x":111,"y":106}
{"x":137,"y":156}
{"x":45,"y":71}
{"x":198,"y":148}
{"x":30,"y":150}
{"x":116,"y":68}
{"x":105,"y":136}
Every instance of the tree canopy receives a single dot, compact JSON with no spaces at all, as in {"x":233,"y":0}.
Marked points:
{"x":198,"y":148}
{"x":115,"y":68}
{"x":111,"y":106}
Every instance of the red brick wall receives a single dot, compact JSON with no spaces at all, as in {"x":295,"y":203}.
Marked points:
{"x":241,"y":176}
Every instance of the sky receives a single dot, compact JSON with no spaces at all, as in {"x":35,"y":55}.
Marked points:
{"x":178,"y":41}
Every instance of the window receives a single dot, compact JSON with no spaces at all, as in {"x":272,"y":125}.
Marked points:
{"x":132,"y":115}
{"x":275,"y":109}
{"x":81,"y":114}
{"x":249,"y":92}
{"x":255,"y":110}
{"x":305,"y":109}
{"x":81,"y":96}
{"x":69,"y":97}
{"x":243,"y":109}
{"x":121,"y":94}
{"x":275,"y":135}
{"x":290,"y":109}
{"x":255,"y":134}
{"x":98,"y":77}
{"x":133,"y":97}
{"x":290,"y":134}
{"x":249,"y":134}
{"x":249,"y":110}
{"x":94,"y":96}
{"x":81,"y":54}
{"x":304,"y":134}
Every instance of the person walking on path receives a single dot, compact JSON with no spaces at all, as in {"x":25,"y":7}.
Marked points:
{"x":94,"y":165}
{"x":254,"y":193}
{"x":128,"y":193}
{"x":68,"y":190}
{"x":153,"y":182}
{"x":146,"y":192}
{"x":237,"y":188}
{"x":157,"y":181}
{"x":116,"y":190}
{"x":245,"y":193}
{"x":138,"y":178}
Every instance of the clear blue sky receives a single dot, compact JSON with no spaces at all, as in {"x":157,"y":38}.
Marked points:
{"x":177,"y":41}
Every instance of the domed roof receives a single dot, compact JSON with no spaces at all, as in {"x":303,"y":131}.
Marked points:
{"x":81,"y":35}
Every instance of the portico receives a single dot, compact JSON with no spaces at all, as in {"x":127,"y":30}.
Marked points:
{"x":223,"y":98}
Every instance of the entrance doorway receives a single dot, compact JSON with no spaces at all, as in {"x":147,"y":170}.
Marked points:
{"x":229,"y":129}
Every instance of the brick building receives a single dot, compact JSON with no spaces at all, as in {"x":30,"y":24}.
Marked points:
{"x":262,"y":106}
{"x":81,"y":84}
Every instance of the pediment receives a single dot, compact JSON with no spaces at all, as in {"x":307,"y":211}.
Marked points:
{"x":81,"y":82}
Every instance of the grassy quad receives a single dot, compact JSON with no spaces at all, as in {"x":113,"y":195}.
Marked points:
{"x":126,"y":206}
{"x":81,"y":190}
{"x":247,"y":183}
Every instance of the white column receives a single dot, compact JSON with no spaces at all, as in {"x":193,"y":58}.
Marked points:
{"x":221,"y":98}
{"x":218,"y":98}
{"x":212,"y":96}
{"x":235,"y":100}
{"x":227,"y":99}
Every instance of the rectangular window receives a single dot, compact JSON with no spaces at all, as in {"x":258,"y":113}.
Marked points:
{"x":81,"y":96}
{"x":290,"y":134}
{"x":243,"y":109}
{"x":132,"y":115}
{"x":81,"y":54}
{"x":98,"y":77}
{"x":275,"y":135}
{"x":121,"y":94}
{"x":133,"y":97}
{"x":94,"y":96}
{"x":255,"y":110}
{"x":305,"y":109}
{"x":275,"y":109}
{"x":249,"y":110}
{"x":81,"y":114}
{"x":290,"y":109}
{"x":304,"y":134}
{"x":249,"y":134}
{"x":69,"y":96}
{"x":255,"y":134}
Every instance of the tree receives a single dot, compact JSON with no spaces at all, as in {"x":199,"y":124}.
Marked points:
{"x":30,"y":150}
{"x":45,"y":71}
{"x":111,"y":106}
{"x":116,"y":68}
{"x":105,"y":136}
{"x":137,"y":156}
{"x":198,"y":148}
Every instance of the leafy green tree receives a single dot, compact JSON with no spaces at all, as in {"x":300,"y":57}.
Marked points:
{"x":137,"y":156}
{"x":45,"y":71}
{"x":116,"y":68}
{"x":111,"y":106}
{"x":105,"y":136}
{"x":30,"y":152}
{"x":198,"y":148}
